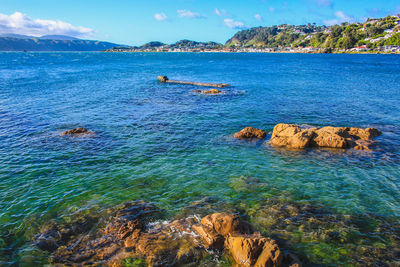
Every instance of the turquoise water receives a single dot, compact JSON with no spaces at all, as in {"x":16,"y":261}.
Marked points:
{"x":164,"y":144}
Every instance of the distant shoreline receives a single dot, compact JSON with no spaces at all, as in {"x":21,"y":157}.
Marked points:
{"x":197,"y":52}
{"x":258,"y":52}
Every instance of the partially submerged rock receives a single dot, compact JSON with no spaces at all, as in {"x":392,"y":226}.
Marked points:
{"x":132,"y":233}
{"x":213,"y":229}
{"x":293,"y":136}
{"x":254,"y":250}
{"x":250,"y":132}
{"x":164,"y":79}
{"x":78,"y":132}
{"x":208,"y":92}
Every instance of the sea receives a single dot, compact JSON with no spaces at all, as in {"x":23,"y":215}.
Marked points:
{"x":165,"y":144}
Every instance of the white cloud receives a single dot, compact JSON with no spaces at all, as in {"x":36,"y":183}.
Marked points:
{"x":160,"y":16}
{"x":340,"y":17}
{"x":19,"y":23}
{"x":189,"y":14}
{"x":221,"y":12}
{"x":258,"y":17}
{"x":233,"y":24}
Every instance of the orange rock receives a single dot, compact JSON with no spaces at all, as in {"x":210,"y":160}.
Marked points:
{"x":329,"y":137}
{"x":215,"y":227}
{"x":365,"y":134}
{"x":128,"y":235}
{"x":254,"y":250}
{"x":362,"y":145}
{"x":283,"y":133}
{"x":250,"y":132}
{"x":285,"y":130}
{"x":301,"y":139}
{"x":292,"y":136}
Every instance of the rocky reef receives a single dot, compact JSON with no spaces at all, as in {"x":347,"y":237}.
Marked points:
{"x":249,"y":133}
{"x":270,"y":232}
{"x":78,"y":132}
{"x":134,"y":231}
{"x":293,"y":136}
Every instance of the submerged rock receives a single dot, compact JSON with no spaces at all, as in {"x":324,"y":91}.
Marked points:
{"x":292,"y":136}
{"x":250,"y":132}
{"x":53,"y":235}
{"x":78,"y":132}
{"x":208,"y":92}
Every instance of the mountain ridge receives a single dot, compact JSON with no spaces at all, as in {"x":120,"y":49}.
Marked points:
{"x":57,"y":43}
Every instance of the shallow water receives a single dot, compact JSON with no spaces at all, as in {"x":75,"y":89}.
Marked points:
{"x":164,"y":144}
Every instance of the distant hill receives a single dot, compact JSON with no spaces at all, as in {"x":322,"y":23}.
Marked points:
{"x":15,"y":42}
{"x":13,"y":35}
{"x":180,"y":46}
{"x":153,"y":44}
{"x":372,"y":33}
{"x":57,"y":37}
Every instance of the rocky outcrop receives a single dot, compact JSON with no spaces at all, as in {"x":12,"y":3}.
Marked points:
{"x":164,"y":79}
{"x":78,"y":132}
{"x":129,"y":234}
{"x":254,"y":250}
{"x":249,"y":133}
{"x":293,"y":136}
{"x":213,"y":229}
{"x":208,"y":92}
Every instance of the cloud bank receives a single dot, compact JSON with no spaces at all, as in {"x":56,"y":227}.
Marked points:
{"x":19,"y":23}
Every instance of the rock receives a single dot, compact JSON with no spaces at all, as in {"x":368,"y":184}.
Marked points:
{"x":365,"y":134}
{"x":128,"y":233}
{"x":291,"y":260}
{"x":254,"y":250}
{"x":208,"y":92}
{"x":250,"y":132}
{"x":330,"y":137}
{"x":162,"y":79}
{"x":213,"y":229}
{"x":292,"y":136}
{"x":45,"y":243}
{"x":301,"y":139}
{"x":54,"y":235}
{"x":77,"y":132}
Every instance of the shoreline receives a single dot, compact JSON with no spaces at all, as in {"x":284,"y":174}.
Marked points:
{"x":257,"y":52}
{"x":210,"y":52}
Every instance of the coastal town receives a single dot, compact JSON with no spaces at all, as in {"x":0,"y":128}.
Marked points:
{"x":372,"y":36}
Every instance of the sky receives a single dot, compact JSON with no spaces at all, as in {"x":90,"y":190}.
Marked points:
{"x":133,"y":22}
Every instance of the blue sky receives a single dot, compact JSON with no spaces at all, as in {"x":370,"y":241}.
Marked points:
{"x":136,"y":22}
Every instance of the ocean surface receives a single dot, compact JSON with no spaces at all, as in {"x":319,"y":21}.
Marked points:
{"x":164,"y":144}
